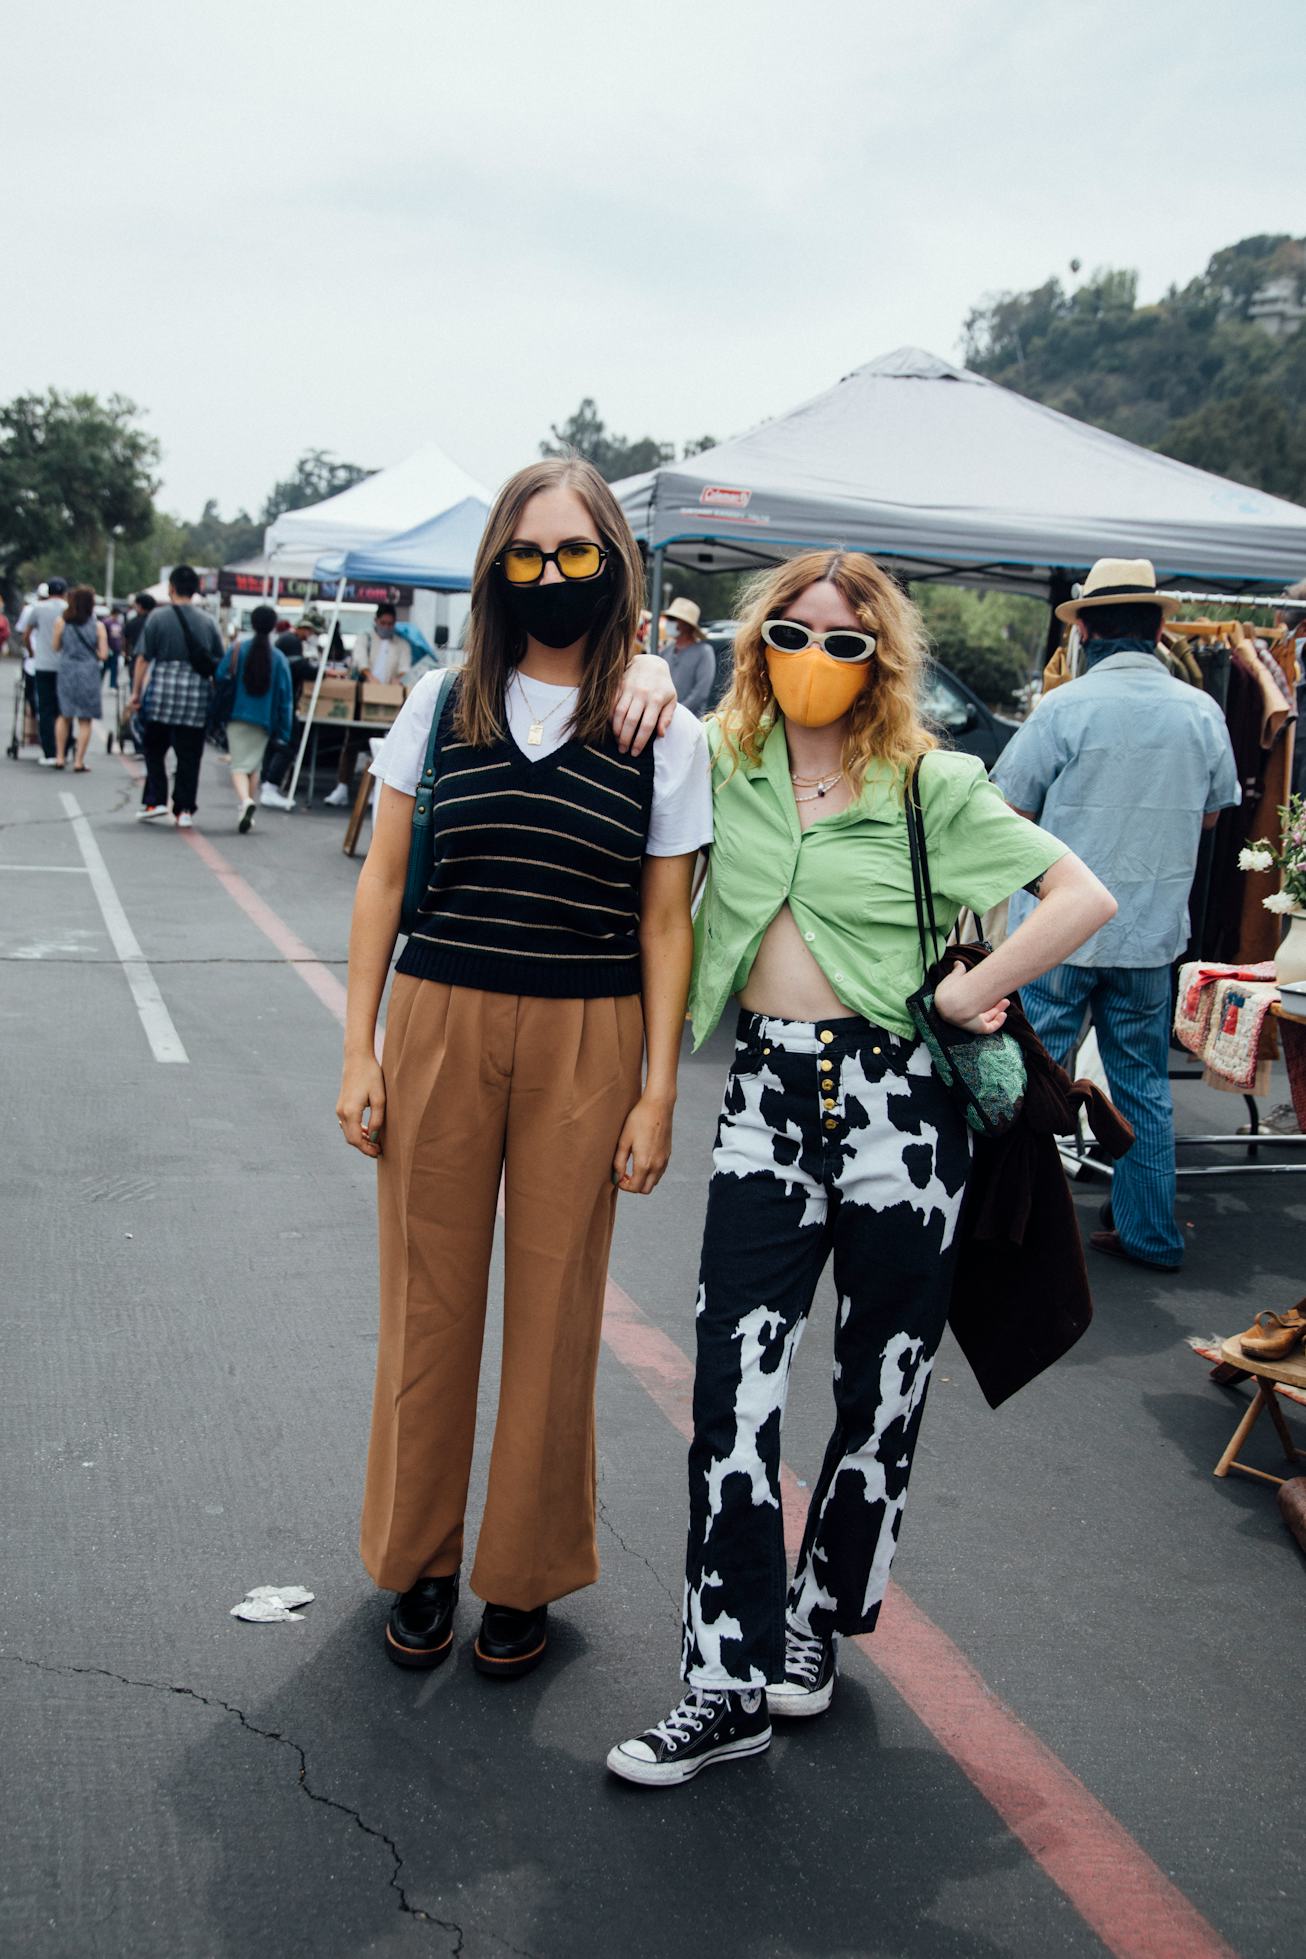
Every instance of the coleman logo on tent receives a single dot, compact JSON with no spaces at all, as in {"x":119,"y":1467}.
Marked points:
{"x":716,"y":495}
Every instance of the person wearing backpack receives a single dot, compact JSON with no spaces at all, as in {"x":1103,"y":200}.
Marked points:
{"x":531,"y":1041}
{"x":172,"y":689}
{"x":254,"y":695}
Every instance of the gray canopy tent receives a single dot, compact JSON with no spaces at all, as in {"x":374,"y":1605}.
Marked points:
{"x":947,"y":476}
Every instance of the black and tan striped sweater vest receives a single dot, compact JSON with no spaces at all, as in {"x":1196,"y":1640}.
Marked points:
{"x":537,"y":869}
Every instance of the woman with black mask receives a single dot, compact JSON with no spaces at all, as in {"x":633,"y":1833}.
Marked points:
{"x":532,"y":1038}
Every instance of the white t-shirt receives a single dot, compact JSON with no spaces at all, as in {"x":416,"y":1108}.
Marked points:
{"x":385,"y":659}
{"x":681,"y":819}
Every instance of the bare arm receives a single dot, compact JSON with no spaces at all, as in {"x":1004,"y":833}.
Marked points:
{"x":372,"y":935}
{"x":57,"y":638}
{"x":101,"y":645}
{"x":666,"y":943}
{"x":140,"y":673}
{"x":1072,"y":905}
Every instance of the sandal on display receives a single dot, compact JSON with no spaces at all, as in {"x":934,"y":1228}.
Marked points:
{"x":1274,"y":1336}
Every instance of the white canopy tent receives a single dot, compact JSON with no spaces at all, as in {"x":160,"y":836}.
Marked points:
{"x":421,"y":487}
{"x":949,"y":476}
{"x":424,"y":487}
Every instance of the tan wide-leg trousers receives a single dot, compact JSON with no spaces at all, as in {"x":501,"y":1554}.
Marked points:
{"x":478,"y":1084}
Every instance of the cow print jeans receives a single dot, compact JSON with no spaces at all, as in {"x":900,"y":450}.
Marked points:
{"x":833,"y":1136}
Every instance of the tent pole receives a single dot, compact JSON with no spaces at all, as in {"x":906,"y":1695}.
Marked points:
{"x":318,"y":678}
{"x":655,"y":596}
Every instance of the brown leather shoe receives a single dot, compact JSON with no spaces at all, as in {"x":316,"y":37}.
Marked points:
{"x":1109,"y":1242}
{"x":1273,"y":1336}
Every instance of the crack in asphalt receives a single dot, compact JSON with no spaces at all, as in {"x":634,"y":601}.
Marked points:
{"x":282,"y":1741}
{"x":630,"y":1550}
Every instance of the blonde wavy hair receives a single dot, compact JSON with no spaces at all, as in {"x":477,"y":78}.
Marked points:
{"x":496,"y":643}
{"x":886,"y":722}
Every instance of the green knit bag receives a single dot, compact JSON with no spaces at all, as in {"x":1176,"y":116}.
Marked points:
{"x":984,"y":1073}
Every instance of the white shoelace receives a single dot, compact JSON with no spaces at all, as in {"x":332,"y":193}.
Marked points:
{"x":684,"y":1723}
{"x":804,"y":1653}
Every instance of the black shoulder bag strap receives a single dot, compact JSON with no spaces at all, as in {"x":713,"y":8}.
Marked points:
{"x":923,"y":890}
{"x":200,"y":662}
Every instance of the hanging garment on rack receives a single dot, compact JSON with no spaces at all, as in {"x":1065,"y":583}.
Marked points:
{"x":1222,"y":913}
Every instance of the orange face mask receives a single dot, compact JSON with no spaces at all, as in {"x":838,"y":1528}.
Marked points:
{"x":811,"y":688}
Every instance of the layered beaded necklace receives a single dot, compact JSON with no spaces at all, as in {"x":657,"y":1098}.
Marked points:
{"x":820,"y":784}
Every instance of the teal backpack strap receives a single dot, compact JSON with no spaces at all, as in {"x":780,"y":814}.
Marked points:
{"x":421,"y":847}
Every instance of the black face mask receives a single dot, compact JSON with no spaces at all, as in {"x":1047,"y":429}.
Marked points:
{"x":558,"y":614}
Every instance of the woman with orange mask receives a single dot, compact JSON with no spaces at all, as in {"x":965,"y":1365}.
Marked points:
{"x":835,"y":1137}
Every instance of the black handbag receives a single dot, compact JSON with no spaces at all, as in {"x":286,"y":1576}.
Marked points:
{"x":421,"y":845}
{"x":984,"y":1073}
{"x":201,"y":661}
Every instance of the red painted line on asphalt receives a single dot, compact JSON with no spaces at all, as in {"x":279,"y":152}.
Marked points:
{"x":317,"y":977}
{"x":1091,"y":1858}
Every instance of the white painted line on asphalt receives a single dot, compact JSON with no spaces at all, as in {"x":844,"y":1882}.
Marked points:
{"x":162,"y":1036}
{"x":74,"y":870}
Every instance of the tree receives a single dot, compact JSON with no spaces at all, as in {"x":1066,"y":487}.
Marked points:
{"x":1193,"y":375}
{"x":584,"y":433}
{"x":987,"y":638}
{"x":74,"y":470}
{"x":216,"y":540}
{"x":316,"y":475}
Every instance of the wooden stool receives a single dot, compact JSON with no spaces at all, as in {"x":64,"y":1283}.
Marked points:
{"x":356,"y":815}
{"x":1291,"y":1371}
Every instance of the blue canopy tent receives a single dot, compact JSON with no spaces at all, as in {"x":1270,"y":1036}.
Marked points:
{"x":437,"y":555}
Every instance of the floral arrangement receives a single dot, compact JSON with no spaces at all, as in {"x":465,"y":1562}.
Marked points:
{"x":1289,"y":858}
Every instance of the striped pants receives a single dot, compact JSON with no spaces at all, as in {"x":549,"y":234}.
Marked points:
{"x":1130,"y":1007}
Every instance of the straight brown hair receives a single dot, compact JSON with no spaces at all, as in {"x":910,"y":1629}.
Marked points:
{"x":81,"y":605}
{"x":496,"y":643}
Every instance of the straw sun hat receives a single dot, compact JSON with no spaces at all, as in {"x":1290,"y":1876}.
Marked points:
{"x":1118,"y":581}
{"x":683,"y":609}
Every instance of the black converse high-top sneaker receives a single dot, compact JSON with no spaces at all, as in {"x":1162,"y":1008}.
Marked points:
{"x":810,"y":1667}
{"x":708,"y":1726}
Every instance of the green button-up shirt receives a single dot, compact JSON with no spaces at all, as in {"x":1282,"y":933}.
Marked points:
{"x":847,"y":878}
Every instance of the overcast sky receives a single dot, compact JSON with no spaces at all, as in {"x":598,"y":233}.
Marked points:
{"x":278,"y":225}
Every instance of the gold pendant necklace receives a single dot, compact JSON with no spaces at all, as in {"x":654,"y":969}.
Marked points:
{"x":535,"y":733}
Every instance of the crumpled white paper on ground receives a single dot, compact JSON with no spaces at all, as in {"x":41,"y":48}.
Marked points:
{"x":267,"y":1603}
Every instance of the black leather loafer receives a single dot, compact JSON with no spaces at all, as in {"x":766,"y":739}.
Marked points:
{"x":510,"y":1643}
{"x":419,"y":1630}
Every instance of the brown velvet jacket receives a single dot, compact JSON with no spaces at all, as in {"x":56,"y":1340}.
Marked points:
{"x":1020,"y":1297}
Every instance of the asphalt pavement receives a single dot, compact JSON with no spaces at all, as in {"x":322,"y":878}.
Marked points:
{"x":1082,"y":1733}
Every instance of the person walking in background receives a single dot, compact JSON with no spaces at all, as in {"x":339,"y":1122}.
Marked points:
{"x":1128,"y":766}
{"x":384,"y":656}
{"x":690,"y":657}
{"x":143,"y":605}
{"x":172,"y":687}
{"x":82,"y":647}
{"x":297,"y":643}
{"x":255,"y":694}
{"x":38,"y":642}
{"x":113,"y":636}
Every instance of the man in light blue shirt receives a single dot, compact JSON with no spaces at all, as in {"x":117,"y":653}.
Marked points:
{"x":1128,"y":766}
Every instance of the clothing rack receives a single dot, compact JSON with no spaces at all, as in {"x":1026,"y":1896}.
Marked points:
{"x":1272,"y":601}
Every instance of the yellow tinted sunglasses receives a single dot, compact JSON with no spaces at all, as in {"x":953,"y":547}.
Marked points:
{"x":523,"y":564}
